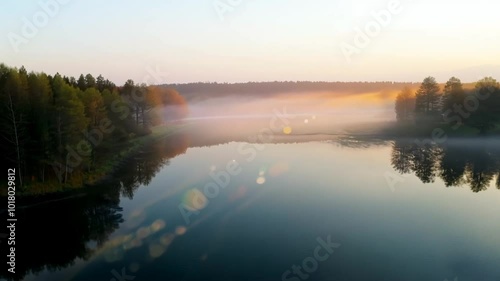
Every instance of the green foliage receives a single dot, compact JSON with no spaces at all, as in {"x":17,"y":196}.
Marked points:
{"x":428,"y":100}
{"x":405,"y":105}
{"x":94,"y":106}
{"x":81,"y":83}
{"x":90,"y":81}
{"x":479,"y":109}
{"x":454,"y":94}
{"x":13,"y":123}
{"x":487,"y":114}
{"x":58,"y":130}
{"x":68,"y":118}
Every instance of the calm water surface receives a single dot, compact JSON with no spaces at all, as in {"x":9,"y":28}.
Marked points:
{"x":392,"y":210}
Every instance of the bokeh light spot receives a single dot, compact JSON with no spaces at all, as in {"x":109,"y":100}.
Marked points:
{"x":180,"y":230}
{"x":143,"y":232}
{"x":136,"y":218}
{"x":157,"y":225}
{"x":156,"y":250}
{"x":195,"y":200}
{"x":261,"y":180}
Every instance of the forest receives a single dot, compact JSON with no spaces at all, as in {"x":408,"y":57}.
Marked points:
{"x":200,"y":91}
{"x":60,"y":131}
{"x":452,"y":108}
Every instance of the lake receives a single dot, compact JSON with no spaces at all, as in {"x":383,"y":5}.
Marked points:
{"x":283,"y":206}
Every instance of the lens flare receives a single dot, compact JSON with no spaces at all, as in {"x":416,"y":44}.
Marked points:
{"x":261,"y":180}
{"x":156,"y":250}
{"x":195,"y":200}
{"x":143,"y":232}
{"x":180,"y":230}
{"x":157,"y":225}
{"x":136,"y":218}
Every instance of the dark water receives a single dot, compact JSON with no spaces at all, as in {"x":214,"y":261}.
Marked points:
{"x":297,"y":208}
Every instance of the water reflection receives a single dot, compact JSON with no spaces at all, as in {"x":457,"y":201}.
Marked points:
{"x":58,"y":234}
{"x":67,"y":233}
{"x":457,"y":162}
{"x":143,"y":168}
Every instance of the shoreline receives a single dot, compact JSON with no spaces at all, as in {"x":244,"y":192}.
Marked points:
{"x":42,"y":193}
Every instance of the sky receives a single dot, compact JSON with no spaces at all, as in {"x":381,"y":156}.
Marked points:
{"x":179,"y":41}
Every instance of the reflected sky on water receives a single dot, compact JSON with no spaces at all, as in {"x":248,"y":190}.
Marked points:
{"x":398,"y":210}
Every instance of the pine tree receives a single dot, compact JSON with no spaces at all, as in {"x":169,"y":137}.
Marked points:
{"x":428,"y":100}
{"x":15,"y":107}
{"x":487,"y":115}
{"x":40,"y":97}
{"x":82,"y":83}
{"x":454,"y":94}
{"x":90,"y":81}
{"x":70,"y":121}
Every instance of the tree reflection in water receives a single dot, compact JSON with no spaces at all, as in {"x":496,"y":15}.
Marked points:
{"x":457,"y":162}
{"x":51,"y":239}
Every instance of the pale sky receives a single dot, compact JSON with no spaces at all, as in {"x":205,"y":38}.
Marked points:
{"x":256,"y":40}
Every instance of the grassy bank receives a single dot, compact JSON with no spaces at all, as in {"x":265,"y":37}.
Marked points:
{"x":114,"y":157}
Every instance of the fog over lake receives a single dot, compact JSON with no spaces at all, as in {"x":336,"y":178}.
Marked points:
{"x":391,"y":207}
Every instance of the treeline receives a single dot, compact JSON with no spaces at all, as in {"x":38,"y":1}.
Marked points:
{"x":200,"y":91}
{"x":452,"y":106}
{"x":57,"y":128}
